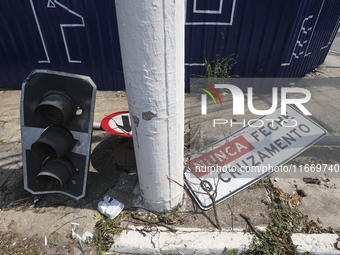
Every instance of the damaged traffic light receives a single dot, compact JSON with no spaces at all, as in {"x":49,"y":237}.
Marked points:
{"x":56,"y":116}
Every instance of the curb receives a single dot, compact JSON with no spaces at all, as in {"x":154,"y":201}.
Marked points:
{"x":198,"y":241}
{"x":316,"y":243}
{"x":184,"y":241}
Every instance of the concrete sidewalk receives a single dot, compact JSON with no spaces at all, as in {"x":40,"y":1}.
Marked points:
{"x":198,"y":235}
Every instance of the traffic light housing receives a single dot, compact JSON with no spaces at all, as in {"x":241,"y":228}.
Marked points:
{"x":56,"y":115}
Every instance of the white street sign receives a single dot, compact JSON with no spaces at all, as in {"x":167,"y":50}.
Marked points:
{"x":235,"y":162}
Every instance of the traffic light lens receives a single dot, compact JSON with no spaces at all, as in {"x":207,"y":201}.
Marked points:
{"x":55,"y":140}
{"x":55,"y":173}
{"x":55,"y":108}
{"x":53,"y":113}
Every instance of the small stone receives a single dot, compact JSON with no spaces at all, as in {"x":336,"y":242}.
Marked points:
{"x":337,"y":245}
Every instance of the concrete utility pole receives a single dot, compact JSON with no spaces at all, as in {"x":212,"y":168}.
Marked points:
{"x":152,"y":44}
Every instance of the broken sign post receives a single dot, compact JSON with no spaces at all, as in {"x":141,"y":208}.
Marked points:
{"x":246,"y":156}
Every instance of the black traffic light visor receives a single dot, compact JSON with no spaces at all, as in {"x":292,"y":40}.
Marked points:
{"x":56,"y":107}
{"x":54,"y":140}
{"x":55,"y":173}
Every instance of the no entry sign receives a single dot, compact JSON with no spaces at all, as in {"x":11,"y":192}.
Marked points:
{"x":118,"y":124}
{"x":235,"y":162}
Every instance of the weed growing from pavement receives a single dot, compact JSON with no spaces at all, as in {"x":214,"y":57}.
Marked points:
{"x":10,"y":248}
{"x":276,"y":238}
{"x":214,"y":70}
{"x":13,"y":244}
{"x":53,"y":239}
{"x":106,"y":231}
{"x":220,"y":68}
{"x":230,"y":251}
{"x":172,"y":217}
{"x":287,"y":219}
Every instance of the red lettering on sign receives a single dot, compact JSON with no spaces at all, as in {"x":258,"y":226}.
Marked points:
{"x":220,"y":156}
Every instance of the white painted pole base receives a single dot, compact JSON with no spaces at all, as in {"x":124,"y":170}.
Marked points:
{"x":152,"y":44}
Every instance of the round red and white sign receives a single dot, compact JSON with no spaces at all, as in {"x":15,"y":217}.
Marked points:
{"x":118,"y":124}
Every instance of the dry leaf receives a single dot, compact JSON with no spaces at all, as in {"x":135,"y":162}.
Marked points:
{"x":295,"y":198}
{"x":279,"y":193}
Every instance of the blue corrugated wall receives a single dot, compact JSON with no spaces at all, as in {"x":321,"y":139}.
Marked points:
{"x":76,"y":36}
{"x":269,"y":38}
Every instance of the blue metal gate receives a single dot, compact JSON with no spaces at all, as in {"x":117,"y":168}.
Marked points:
{"x":269,"y":38}
{"x":64,"y":35}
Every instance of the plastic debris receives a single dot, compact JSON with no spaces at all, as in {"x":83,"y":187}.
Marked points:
{"x":75,"y":235}
{"x":110,"y":208}
{"x":74,"y":224}
{"x":37,"y":199}
{"x":87,"y":237}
